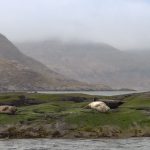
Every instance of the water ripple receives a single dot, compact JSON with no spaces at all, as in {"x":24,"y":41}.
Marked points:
{"x":63,"y":144}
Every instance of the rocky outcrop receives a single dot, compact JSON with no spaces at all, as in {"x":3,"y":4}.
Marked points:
{"x":22,"y":101}
{"x":113,"y":104}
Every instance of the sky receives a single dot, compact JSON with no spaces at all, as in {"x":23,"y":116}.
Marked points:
{"x":124,"y":24}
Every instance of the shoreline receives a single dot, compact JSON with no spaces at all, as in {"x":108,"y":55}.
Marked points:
{"x":71,"y":90}
{"x":28,"y":132}
{"x":65,"y":116}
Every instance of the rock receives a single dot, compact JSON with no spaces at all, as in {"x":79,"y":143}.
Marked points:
{"x":113,"y":104}
{"x":99,"y":106}
{"x":6,"y":109}
{"x":75,"y":99}
{"x":22,"y":101}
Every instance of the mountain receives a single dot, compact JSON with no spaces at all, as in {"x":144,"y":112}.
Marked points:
{"x":92,"y":62}
{"x":20,"y":72}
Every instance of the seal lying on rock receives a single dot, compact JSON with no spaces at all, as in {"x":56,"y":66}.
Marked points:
{"x":99,"y":106}
{"x":5,"y":109}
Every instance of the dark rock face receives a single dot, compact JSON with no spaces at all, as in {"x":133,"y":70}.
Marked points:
{"x":76,"y":99}
{"x":113,"y":104}
{"x":22,"y":101}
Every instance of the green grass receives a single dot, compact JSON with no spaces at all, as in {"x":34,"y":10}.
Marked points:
{"x":123,"y":118}
{"x":53,"y":108}
{"x":138,"y":101}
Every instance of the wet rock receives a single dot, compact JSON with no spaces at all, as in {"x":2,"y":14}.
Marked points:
{"x":22,"y":101}
{"x":56,"y":134}
{"x":75,"y":99}
{"x":113,"y":104}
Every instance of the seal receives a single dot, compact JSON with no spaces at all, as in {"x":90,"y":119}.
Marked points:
{"x":99,"y":106}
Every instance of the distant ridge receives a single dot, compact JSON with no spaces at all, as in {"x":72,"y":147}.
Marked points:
{"x":93,"y":62}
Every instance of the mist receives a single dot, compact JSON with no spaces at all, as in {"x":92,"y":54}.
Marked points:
{"x":121,"y":23}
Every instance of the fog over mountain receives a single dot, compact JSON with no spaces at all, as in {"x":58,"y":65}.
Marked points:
{"x":20,"y":72}
{"x":93,"y":62}
{"x":121,"y":23}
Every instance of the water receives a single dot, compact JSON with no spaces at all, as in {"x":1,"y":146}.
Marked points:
{"x":103,"y":93}
{"x":53,"y":144}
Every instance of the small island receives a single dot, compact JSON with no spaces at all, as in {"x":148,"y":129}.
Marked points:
{"x":66,"y":116}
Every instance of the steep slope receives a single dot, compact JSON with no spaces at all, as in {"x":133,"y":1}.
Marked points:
{"x":92,"y":62}
{"x":20,"y":72}
{"x":15,"y":76}
{"x":10,"y":52}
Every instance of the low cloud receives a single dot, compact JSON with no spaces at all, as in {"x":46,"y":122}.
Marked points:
{"x":122,"y":23}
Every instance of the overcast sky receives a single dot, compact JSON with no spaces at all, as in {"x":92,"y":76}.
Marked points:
{"x":124,"y":24}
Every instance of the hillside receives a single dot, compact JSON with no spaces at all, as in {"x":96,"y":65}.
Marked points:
{"x":20,"y":72}
{"x":92,"y":62}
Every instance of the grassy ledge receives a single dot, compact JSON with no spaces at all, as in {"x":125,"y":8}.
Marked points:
{"x":64,"y":116}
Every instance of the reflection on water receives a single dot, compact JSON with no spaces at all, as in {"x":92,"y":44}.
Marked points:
{"x":103,"y":93}
{"x":53,"y":144}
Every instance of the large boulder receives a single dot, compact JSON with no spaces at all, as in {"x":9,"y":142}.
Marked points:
{"x":5,"y":109}
{"x":113,"y":104}
{"x":99,"y":106}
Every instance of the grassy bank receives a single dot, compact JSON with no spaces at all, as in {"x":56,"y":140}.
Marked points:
{"x":64,"y":115}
